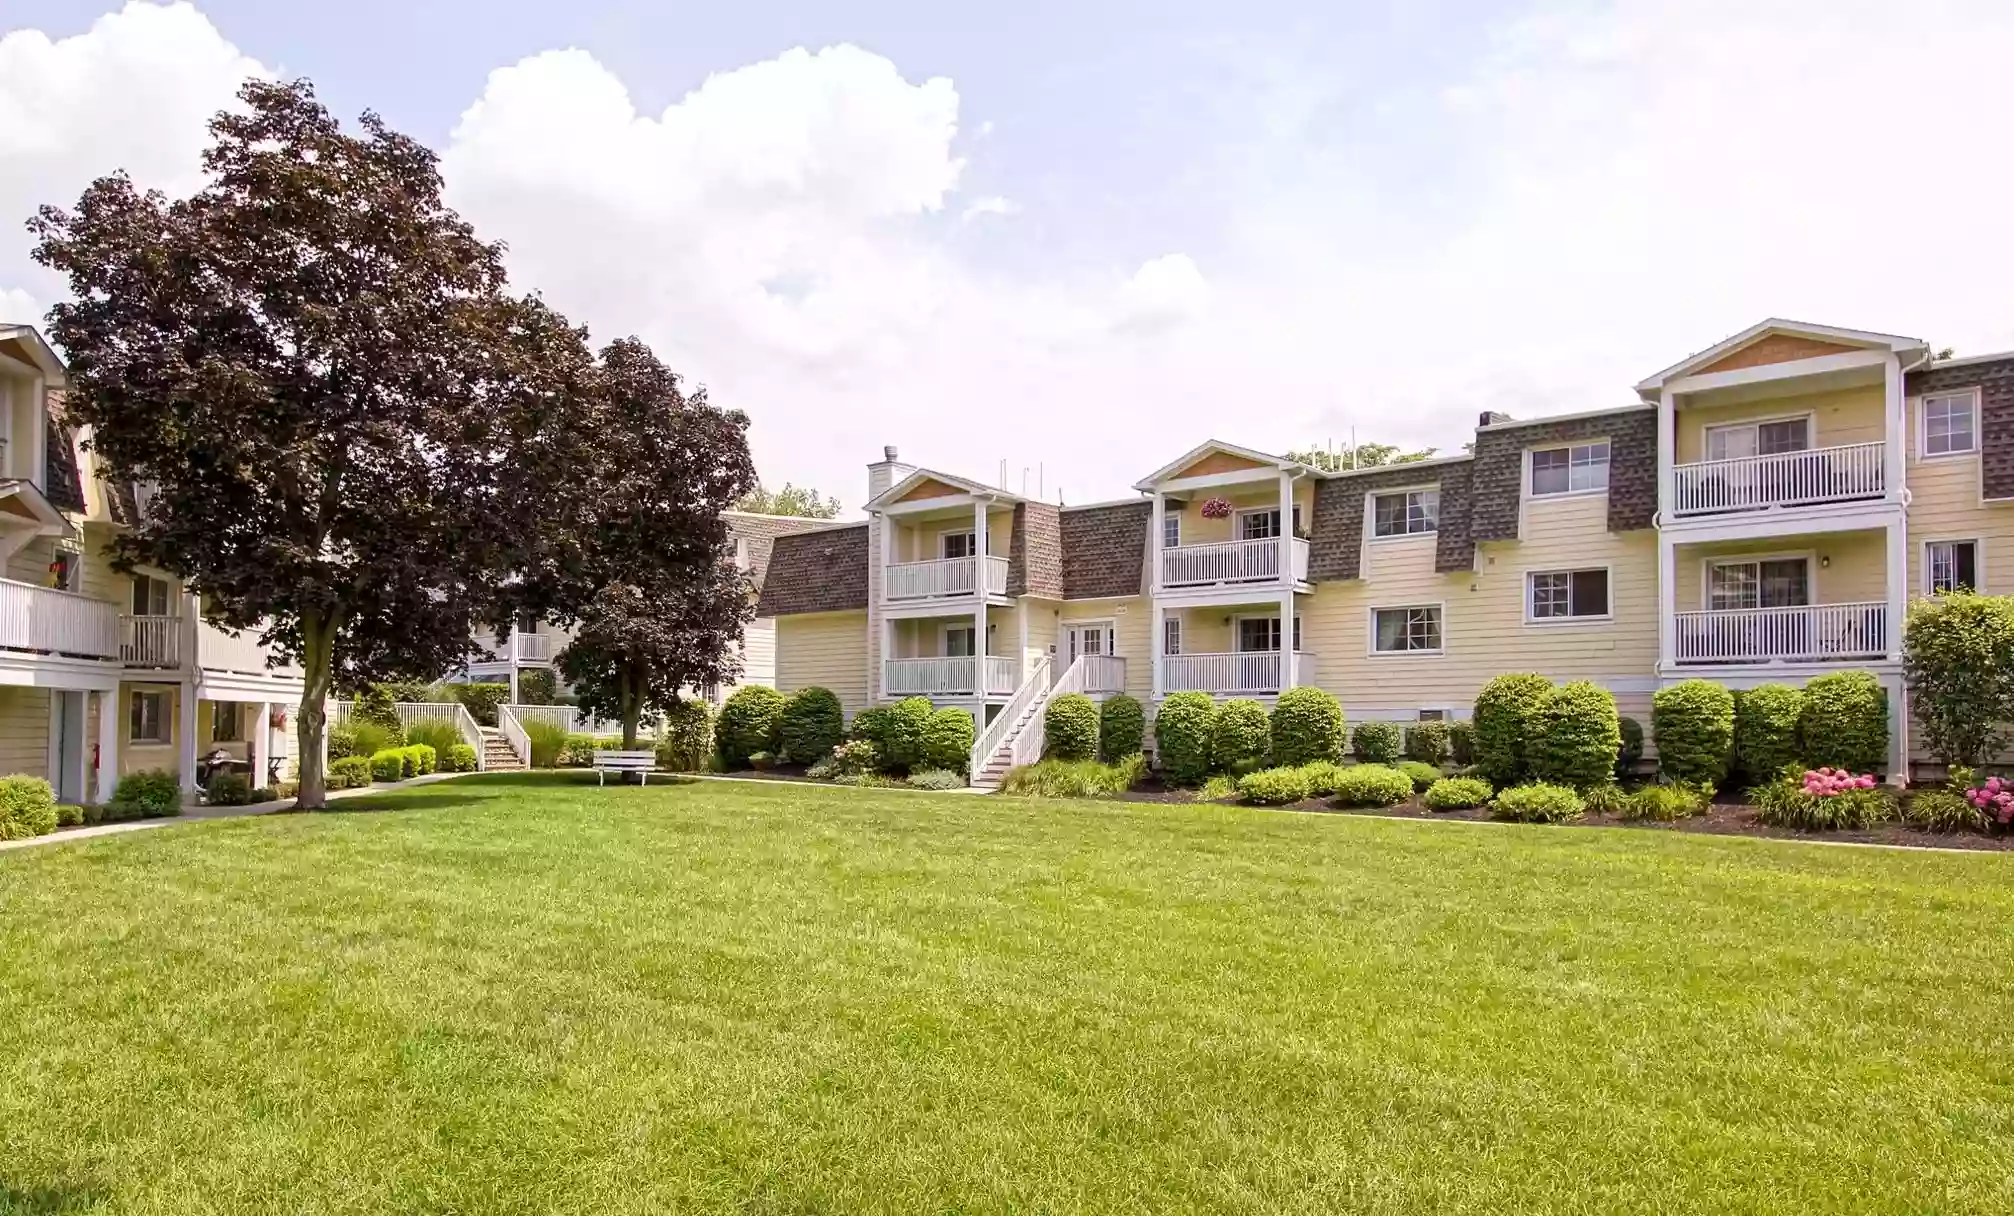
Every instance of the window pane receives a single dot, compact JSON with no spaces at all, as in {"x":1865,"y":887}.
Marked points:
{"x":1171,"y":531}
{"x":1549,"y":471}
{"x":1405,"y":629}
{"x":1549,"y":594}
{"x":1391,"y":514}
{"x":1423,"y":510}
{"x":1590,"y":593}
{"x":1786,"y":583}
{"x":1588,"y":467}
{"x":1730,"y":442}
{"x":1733,"y":585}
{"x":1391,"y":629}
{"x":1775,"y":437}
{"x":1947,"y":425}
{"x":1954,"y":564}
{"x":1423,"y":628}
{"x":1171,"y":636}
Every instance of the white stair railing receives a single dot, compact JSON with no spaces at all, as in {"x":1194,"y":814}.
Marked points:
{"x":472,"y":735}
{"x":1029,"y":744}
{"x":514,"y":734}
{"x":996,"y":734}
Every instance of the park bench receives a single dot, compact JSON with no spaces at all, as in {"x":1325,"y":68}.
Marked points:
{"x":623,"y":762}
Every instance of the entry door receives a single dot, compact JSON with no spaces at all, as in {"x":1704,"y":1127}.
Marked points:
{"x":1088,"y":637}
{"x":69,"y":747}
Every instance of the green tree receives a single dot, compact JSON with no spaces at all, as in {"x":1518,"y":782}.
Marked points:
{"x":802,"y":501}
{"x":1958,"y":656}
{"x":343,"y":415}
{"x":1363,"y":456}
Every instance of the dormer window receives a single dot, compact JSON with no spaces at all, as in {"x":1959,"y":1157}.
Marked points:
{"x":1580,"y":468}
{"x":1406,"y":513}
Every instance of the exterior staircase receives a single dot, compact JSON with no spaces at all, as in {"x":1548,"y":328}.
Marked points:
{"x":498,"y":755}
{"x":1016,"y":735}
{"x":994,"y":769}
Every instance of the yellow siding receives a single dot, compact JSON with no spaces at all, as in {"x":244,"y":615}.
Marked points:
{"x":1196,"y":530}
{"x":1857,"y":572}
{"x":1842,"y":416}
{"x":827,"y":649}
{"x":24,"y":731}
{"x":1042,"y":630}
{"x":758,"y":652}
{"x":921,"y":542}
{"x":1133,"y":623}
{"x":134,"y":757}
{"x":1945,"y":505}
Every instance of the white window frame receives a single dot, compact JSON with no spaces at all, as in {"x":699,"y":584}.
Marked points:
{"x":1978,"y":561}
{"x":1238,"y":630}
{"x":944,"y":539}
{"x":143,"y":578}
{"x":1171,"y":521}
{"x":75,"y":552}
{"x":1371,"y":512}
{"x":1371,"y":631}
{"x":1171,"y":625}
{"x":944,"y":633}
{"x":1239,"y":516}
{"x":1531,"y":616}
{"x":1531,"y":454}
{"x":1809,"y":418}
{"x":165,"y":733}
{"x":1706,"y":564}
{"x":1923,"y":451}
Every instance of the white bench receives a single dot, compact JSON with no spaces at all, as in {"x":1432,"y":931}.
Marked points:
{"x":623,"y":762}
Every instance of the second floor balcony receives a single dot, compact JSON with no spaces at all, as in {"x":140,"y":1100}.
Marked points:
{"x":1237,"y":673}
{"x":1811,"y":477}
{"x":1806,"y":633}
{"x":41,"y":621}
{"x":158,"y":641}
{"x":1233,"y":562}
{"x":945,"y":578}
{"x":950,"y":675}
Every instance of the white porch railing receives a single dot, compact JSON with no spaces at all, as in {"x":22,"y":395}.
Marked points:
{"x":950,"y":676}
{"x":1232,"y":561}
{"x":514,"y":734}
{"x":938,"y":579}
{"x":565,"y":717}
{"x":1819,"y":633}
{"x":990,"y":740}
{"x":57,"y":622}
{"x":1103,"y":673}
{"x":518,"y":647}
{"x":222,"y":651}
{"x":1787,"y":479}
{"x":150,"y":641}
{"x":1250,"y":671}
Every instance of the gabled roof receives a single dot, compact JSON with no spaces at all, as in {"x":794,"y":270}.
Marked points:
{"x":22,"y":500}
{"x":900,"y":490}
{"x":1203,"y":450}
{"x":1815,"y":340}
{"x":29,"y":342}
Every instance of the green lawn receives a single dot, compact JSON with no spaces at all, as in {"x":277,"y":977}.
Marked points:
{"x":505,"y":995}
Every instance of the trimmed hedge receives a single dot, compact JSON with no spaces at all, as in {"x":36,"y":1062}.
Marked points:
{"x":947,"y":742}
{"x":1273,"y":786}
{"x":153,"y":793}
{"x":459,"y":758}
{"x":1070,"y":728}
{"x":1372,"y":785}
{"x":1307,"y":726}
{"x":351,"y":772}
{"x":389,"y":765}
{"x":27,"y":807}
{"x":1376,"y":742}
{"x":1456,"y":794}
{"x":1540,"y":802}
{"x":1182,"y":737}
{"x":1630,"y":754}
{"x":809,"y":725}
{"x":908,"y":720}
{"x":1322,"y":777}
{"x":1845,"y":723}
{"x":685,"y":737}
{"x":1427,"y":742}
{"x":1462,"y":742}
{"x":747,"y":724}
{"x":1765,"y":730}
{"x":1580,"y":736}
{"x":423,"y":759}
{"x":1240,"y":734}
{"x":1507,"y":721}
{"x":1693,"y":725}
{"x":229,"y":789}
{"x":1420,"y":773}
{"x":1122,"y":728}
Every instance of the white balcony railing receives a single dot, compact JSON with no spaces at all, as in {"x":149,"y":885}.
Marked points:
{"x":1102,"y":673}
{"x":950,"y":675}
{"x":150,"y":641}
{"x":1250,"y":671}
{"x":1816,"y":634}
{"x":219,"y":650}
{"x":1787,"y":479}
{"x":57,"y":622}
{"x":940,"y":579}
{"x":1231,"y":561}
{"x":520,"y":647}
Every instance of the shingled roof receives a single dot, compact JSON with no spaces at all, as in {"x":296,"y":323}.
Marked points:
{"x":1035,"y":551}
{"x":63,"y":483}
{"x":761,"y":531}
{"x":1105,"y":550}
{"x":824,"y":570}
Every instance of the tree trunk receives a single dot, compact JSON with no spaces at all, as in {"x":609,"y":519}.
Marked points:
{"x":632,"y":709}
{"x":316,"y":633}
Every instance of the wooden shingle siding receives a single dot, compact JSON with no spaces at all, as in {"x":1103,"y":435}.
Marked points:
{"x":1035,"y":551}
{"x":1994,"y":378}
{"x":817,"y":571}
{"x":1105,"y":550}
{"x":1336,"y":550}
{"x":1498,"y":488}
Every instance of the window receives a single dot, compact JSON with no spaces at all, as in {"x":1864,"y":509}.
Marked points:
{"x":1951,"y":565}
{"x":1783,"y":582}
{"x":225,"y":726}
{"x":1264,"y":525}
{"x":1563,"y":594}
{"x":1171,"y":531}
{"x":1433,"y":715}
{"x":66,"y":568}
{"x":1950,"y":424}
{"x":150,"y":596}
{"x":1406,"y":513}
{"x":1171,"y":635}
{"x":958,"y":641}
{"x":148,"y":718}
{"x":1580,"y":469}
{"x":956,"y":544}
{"x":1758,"y":439}
{"x":1262,"y":633}
{"x":1406,"y":630}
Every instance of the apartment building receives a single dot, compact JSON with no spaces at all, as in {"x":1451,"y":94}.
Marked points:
{"x":103,"y":673}
{"x":1760,"y":511}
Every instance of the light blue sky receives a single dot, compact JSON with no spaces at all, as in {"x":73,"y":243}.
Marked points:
{"x":1086,"y":236}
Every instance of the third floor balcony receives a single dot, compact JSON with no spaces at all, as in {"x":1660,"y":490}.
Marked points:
{"x":1810,"y":477}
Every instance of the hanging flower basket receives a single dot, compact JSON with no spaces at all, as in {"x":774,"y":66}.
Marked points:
{"x":1217,"y":508}
{"x":277,"y":719}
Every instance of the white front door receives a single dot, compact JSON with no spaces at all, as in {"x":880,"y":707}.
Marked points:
{"x":1088,"y":637}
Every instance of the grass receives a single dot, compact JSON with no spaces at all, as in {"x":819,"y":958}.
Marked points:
{"x":524,"y":994}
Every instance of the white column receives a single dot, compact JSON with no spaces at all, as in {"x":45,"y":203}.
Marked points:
{"x":262,"y":741}
{"x":1286,"y":537}
{"x":1667,"y":602}
{"x":979,"y":555}
{"x":185,"y":734}
{"x":1154,"y":647}
{"x":1667,"y":452}
{"x":1154,"y":538}
{"x":1021,"y":611}
{"x":887,"y":651}
{"x":513,"y":663}
{"x":1898,"y":583}
{"x":1287,"y":664}
{"x":1894,"y":464}
{"x":108,"y":743}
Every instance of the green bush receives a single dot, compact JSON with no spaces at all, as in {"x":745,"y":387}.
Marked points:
{"x":1241,"y":736}
{"x":1785,"y":803}
{"x":1943,"y":811}
{"x":1182,"y":737}
{"x":229,"y":789}
{"x":1693,"y":725}
{"x":1273,"y":786}
{"x":27,"y":807}
{"x":1765,"y":730}
{"x":1075,"y":778}
{"x":342,"y":742}
{"x":937,"y":778}
{"x":377,"y":704}
{"x":537,"y":687}
{"x":1462,"y":743}
{"x":481,"y":700}
{"x":1376,"y":742}
{"x":426,"y":758}
{"x":902,"y":749}
{"x":1507,"y":726}
{"x":1070,"y":728}
{"x":149,"y":794}
{"x":685,"y":738}
{"x":1427,"y":742}
{"x":389,"y":765}
{"x":1307,"y":726}
{"x":1219,"y":787}
{"x":1845,"y":723}
{"x":351,"y":772}
{"x":747,"y":724}
{"x":1540,"y":802}
{"x":578,"y":750}
{"x":1322,"y":777}
{"x":1372,"y":785}
{"x":873,"y":724}
{"x":459,"y":758}
{"x":547,"y":739}
{"x":1630,"y":754}
{"x":947,"y":742}
{"x":1421,"y":774}
{"x":1958,"y":651}
{"x":1456,"y":793}
{"x":438,"y":735}
{"x":69,"y":814}
{"x":1580,"y":736}
{"x":1122,"y":728}
{"x":1665,"y":803}
{"x":851,"y":759}
{"x":1607,"y":798}
{"x":810,"y":724}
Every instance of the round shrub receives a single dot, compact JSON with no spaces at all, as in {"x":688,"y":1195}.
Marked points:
{"x":1376,"y":742}
{"x":908,"y":720}
{"x":1307,"y":726}
{"x":1956,"y":653}
{"x":1507,"y":724}
{"x":1456,"y":793}
{"x":1845,"y":723}
{"x":947,"y":742}
{"x":1070,"y":728}
{"x":389,"y":765}
{"x":1273,"y":786}
{"x":1240,"y":734}
{"x":873,"y":724}
{"x":1321,"y":777}
{"x":1421,"y":774}
{"x":27,"y":807}
{"x":1765,"y":730}
{"x":426,"y":758}
{"x":1427,"y":742}
{"x":1182,"y":738}
{"x":460,"y":758}
{"x":1462,"y":742}
{"x":1122,"y":728}
{"x":1580,"y":736}
{"x":342,"y":742}
{"x":1540,"y":802}
{"x":1630,"y":754}
{"x":149,"y":794}
{"x":809,"y":726}
{"x":1692,"y":724}
{"x":349,"y":773}
{"x":747,"y":724}
{"x":861,"y":756}
{"x":229,"y":789}
{"x":1372,"y":785}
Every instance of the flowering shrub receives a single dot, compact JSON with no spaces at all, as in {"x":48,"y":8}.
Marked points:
{"x":1822,"y":800}
{"x":1996,"y":799}
{"x":1830,"y":782}
{"x":1217,"y":508}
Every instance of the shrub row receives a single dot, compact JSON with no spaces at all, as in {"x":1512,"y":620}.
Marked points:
{"x":1704,"y":732}
{"x":1528,"y":730}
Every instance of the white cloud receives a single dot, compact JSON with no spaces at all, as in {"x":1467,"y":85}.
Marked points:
{"x":1164,"y":292}
{"x":992,"y":204}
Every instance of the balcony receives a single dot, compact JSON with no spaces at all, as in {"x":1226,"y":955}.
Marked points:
{"x":517,"y":647}
{"x":1240,"y":562}
{"x":1786,"y":479}
{"x":1241,"y":673}
{"x":57,"y":622}
{"x":150,"y":641}
{"x":1102,"y":674}
{"x":949,"y":676}
{"x":217,"y":650}
{"x":943,"y":579}
{"x":1820,"y":633}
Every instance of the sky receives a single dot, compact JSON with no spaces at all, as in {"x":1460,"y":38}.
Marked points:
{"x":1072,"y":241}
